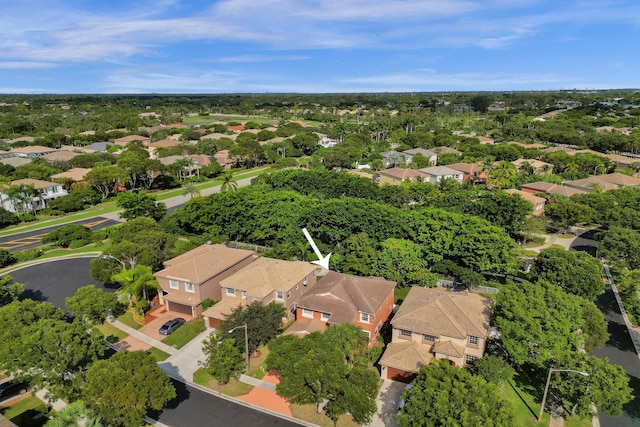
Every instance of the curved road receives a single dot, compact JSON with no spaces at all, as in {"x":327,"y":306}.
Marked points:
{"x":54,"y":281}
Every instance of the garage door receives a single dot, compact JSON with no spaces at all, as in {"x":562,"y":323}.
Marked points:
{"x":398,"y":375}
{"x":179,"y":308}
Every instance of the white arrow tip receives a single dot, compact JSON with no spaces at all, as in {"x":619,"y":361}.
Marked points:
{"x":323,"y":262}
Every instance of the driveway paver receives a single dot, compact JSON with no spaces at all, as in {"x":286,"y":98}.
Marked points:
{"x":387,"y":403}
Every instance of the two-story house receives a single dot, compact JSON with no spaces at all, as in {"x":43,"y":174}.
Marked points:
{"x":435,"y":323}
{"x":436,"y":174}
{"x":537,"y":202}
{"x":28,"y":201}
{"x":265,"y":280}
{"x":339,"y":298}
{"x":194,"y":276}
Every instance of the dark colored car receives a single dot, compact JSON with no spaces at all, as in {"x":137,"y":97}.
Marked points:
{"x":10,"y":388}
{"x":171,"y":325}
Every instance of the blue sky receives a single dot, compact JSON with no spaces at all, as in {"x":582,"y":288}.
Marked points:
{"x":312,"y":46}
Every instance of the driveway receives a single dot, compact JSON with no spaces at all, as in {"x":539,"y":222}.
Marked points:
{"x":161,"y":316}
{"x":387,"y":402}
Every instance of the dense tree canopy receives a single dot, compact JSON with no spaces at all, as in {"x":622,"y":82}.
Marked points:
{"x":444,"y":395}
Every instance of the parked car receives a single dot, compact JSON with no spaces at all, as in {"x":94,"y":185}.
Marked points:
{"x":12,"y":388}
{"x":402,"y":402}
{"x":171,"y":325}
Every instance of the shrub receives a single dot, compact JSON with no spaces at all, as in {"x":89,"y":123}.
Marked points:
{"x":6,"y":258}
{"x":28,"y":255}
{"x":67,"y":234}
{"x":208,"y":303}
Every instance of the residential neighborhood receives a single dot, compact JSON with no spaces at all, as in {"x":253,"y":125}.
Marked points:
{"x":478,"y":259}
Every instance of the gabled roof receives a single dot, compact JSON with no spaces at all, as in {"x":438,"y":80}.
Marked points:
{"x":466,"y":167}
{"x":443,"y":149}
{"x":527,"y":196}
{"x":524,"y":145}
{"x":440,"y":171}
{"x":76,"y":174}
{"x":402,"y":173}
{"x":619,"y":179}
{"x":449,"y":348}
{"x":549,"y":188}
{"x":29,"y":149}
{"x":165,"y":143}
{"x":202,"y":263}
{"x":424,"y":152}
{"x":408,"y":356}
{"x":592,"y":183}
{"x":223,"y":308}
{"x":344,"y":295}
{"x":37,"y":183}
{"x":439,"y":312}
{"x":265,"y":275}
{"x":60,"y":156}
{"x":15,"y":161}
{"x":537,"y":164}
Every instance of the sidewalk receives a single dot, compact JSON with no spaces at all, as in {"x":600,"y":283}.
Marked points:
{"x":184,"y":363}
{"x":142,"y":337}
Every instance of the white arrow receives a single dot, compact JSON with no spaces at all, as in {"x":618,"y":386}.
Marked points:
{"x":322,"y":261}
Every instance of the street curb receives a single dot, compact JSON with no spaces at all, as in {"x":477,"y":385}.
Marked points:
{"x":633,"y":332}
{"x":26,"y":264}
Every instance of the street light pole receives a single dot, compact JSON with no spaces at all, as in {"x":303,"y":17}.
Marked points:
{"x":246,"y":342}
{"x":546,"y":387}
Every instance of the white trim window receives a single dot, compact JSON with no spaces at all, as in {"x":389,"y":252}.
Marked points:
{"x":188,"y":287}
{"x":364,"y":317}
{"x":230,"y":292}
{"x":469,"y":358}
{"x":324,"y":317}
{"x":279,"y":295}
{"x":405,"y":334}
{"x":307,"y":313}
{"x":429,"y":338}
{"x":174,"y":284}
{"x":368,"y":335}
{"x":473,"y":340}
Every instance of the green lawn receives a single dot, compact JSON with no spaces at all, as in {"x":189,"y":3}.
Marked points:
{"x":158,"y":354}
{"x":127,"y":319}
{"x":185,"y":333}
{"x":400,"y":294}
{"x":107,"y":329}
{"x":29,"y":412}
{"x":233,"y":388}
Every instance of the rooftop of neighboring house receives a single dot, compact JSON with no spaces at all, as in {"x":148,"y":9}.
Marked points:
{"x":164,"y":143}
{"x":536,"y":164}
{"x":440,"y":171}
{"x":75,"y":174}
{"x":30,"y":149}
{"x":440,"y":312}
{"x":619,"y":179}
{"x":22,"y":139}
{"x":446,"y":150}
{"x":469,"y":168}
{"x":239,"y":127}
{"x":549,"y":188}
{"x":130,"y":138}
{"x":217,"y":135}
{"x":200,"y":159}
{"x":402,"y":173}
{"x":623,"y":160}
{"x":15,"y":161}
{"x":344,"y":295}
{"x":592,"y":183}
{"x":222,"y":157}
{"x":60,"y":156}
{"x":265,"y":275}
{"x":204,"y":262}
{"x":36,"y":183}
{"x":423,"y":151}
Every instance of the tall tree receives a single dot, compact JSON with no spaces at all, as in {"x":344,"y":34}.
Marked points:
{"x":124,"y":387}
{"x":136,"y":282}
{"x":93,"y":305}
{"x":223,"y":359}
{"x":10,"y":290}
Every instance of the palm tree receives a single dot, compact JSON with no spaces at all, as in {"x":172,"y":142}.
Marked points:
{"x":74,"y":415}
{"x":136,"y":282}
{"x":227,"y":182}
{"x":190,"y":189}
{"x":502,"y":175}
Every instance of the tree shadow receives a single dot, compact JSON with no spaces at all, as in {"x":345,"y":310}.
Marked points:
{"x":182,"y":394}
{"x":522,"y":399}
{"x":632,"y":408}
{"x":35,"y":295}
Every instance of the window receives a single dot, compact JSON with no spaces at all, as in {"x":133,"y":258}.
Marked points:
{"x":429,"y":338}
{"x":307,"y":313}
{"x":324,"y":316}
{"x":405,"y":333}
{"x":231,"y":292}
{"x":469,"y":359}
{"x":473,"y":340}
{"x":364,"y":317}
{"x":297,"y":286}
{"x":279,"y":295}
{"x":244,"y":295}
{"x":289,"y":294}
{"x":305,"y":281}
{"x":189,"y":287}
{"x":368,"y":334}
{"x":173,"y":284}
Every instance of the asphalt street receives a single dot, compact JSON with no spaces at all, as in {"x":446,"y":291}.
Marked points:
{"x":620,"y":350}
{"x":32,"y":239}
{"x":54,"y":281}
{"x":195,"y":408}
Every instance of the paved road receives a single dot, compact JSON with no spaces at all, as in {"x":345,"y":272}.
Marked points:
{"x":620,"y":350}
{"x":32,"y":239}
{"x":54,"y":281}
{"x":195,"y":408}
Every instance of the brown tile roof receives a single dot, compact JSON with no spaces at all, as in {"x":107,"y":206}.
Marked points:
{"x":623,"y":160}
{"x":408,"y":356}
{"x":61,"y":156}
{"x":469,"y":168}
{"x":402,"y":173}
{"x":204,"y":262}
{"x":344,"y":295}
{"x":302,"y":327}
{"x":619,"y":179}
{"x":527,"y":196}
{"x":523,"y":145}
{"x":76,"y":174}
{"x":537,"y":164}
{"x":265,"y":275}
{"x":37,"y":183}
{"x":33,"y":149}
{"x":449,"y":348}
{"x":443,"y":149}
{"x":423,"y":151}
{"x":549,"y":188}
{"x":438,"y":312}
{"x":222,"y":157}
{"x":130,"y":138}
{"x":165,"y":143}
{"x":223,"y":308}
{"x":200,"y":159}
{"x":592,"y":183}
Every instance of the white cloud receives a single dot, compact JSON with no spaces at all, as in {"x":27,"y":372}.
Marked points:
{"x":17,"y":65}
